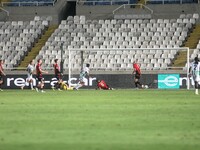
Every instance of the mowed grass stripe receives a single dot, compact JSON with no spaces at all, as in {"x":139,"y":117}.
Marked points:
{"x":89,"y":119}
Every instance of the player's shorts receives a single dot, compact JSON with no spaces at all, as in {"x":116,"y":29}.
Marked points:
{"x":104,"y":88}
{"x":40,"y":78}
{"x":1,"y":78}
{"x":58,"y":77}
{"x":196,"y":78}
{"x":137,"y":76}
{"x":29,"y":77}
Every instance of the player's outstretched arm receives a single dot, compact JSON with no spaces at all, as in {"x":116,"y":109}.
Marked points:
{"x":2,"y":72}
{"x":44,"y":71}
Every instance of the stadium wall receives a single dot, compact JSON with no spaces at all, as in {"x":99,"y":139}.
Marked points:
{"x":122,"y":81}
{"x":3,"y":16}
{"x":27,"y":13}
{"x":168,"y":11}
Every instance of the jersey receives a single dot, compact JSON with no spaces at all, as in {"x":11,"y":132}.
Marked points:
{"x":84,"y":73}
{"x":195,"y":67}
{"x":30,"y":69}
{"x":102,"y":84}
{"x":56,"y":69}
{"x":1,"y":69}
{"x":38,"y":71}
{"x":136,"y":67}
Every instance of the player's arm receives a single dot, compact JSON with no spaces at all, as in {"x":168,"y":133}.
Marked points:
{"x":190,"y":70}
{"x":134,"y":70}
{"x":33,"y":72}
{"x":189,"y":75}
{"x":88,"y":74}
{"x":2,"y":72}
{"x":42,"y":71}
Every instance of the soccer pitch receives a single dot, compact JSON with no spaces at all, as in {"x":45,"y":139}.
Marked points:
{"x":100,"y":120}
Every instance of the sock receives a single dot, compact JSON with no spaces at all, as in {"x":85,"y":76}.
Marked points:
{"x":139,"y":83}
{"x":196,"y":91}
{"x":31,"y":85}
{"x":136,"y":85}
{"x":78,"y":86}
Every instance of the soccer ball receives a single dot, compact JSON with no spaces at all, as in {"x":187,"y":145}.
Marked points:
{"x":146,"y":86}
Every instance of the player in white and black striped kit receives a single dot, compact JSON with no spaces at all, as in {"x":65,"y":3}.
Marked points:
{"x":29,"y":79}
{"x":195,"y":73}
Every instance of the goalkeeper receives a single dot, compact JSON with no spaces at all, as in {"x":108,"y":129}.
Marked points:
{"x":65,"y":86}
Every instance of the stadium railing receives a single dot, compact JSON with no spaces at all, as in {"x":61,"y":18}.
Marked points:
{"x":31,"y":3}
{"x":125,"y":5}
{"x":106,"y":2}
{"x":7,"y":12}
{"x":170,"y":1}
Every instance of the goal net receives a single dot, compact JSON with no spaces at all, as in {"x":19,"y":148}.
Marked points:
{"x":115,"y":60}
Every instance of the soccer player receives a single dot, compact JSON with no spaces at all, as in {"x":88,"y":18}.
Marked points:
{"x":57,"y":75}
{"x":195,"y":73}
{"x":137,"y":73}
{"x":65,"y":86}
{"x":85,"y":72}
{"x":40,"y":78}
{"x":2,"y":74}
{"x":101,"y":84}
{"x":29,"y":79}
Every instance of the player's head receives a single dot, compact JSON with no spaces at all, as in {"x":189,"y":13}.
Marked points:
{"x":98,"y":80}
{"x":87,"y":65}
{"x":135,"y":62}
{"x":196,"y":59}
{"x":56,"y":60}
{"x":31,"y":62}
{"x":39,"y":61}
{"x":1,"y":61}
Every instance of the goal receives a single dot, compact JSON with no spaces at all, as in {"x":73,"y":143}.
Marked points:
{"x":113,"y":60}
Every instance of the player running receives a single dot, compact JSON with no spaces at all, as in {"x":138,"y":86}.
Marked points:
{"x":195,"y":73}
{"x":85,"y":72}
{"x":2,"y":74}
{"x":29,"y":80}
{"x":40,"y":78}
{"x":58,"y":75}
{"x":101,"y":85}
{"x":137,"y":73}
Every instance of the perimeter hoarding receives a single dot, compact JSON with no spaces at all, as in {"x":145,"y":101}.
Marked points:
{"x":114,"y":80}
{"x":168,"y":81}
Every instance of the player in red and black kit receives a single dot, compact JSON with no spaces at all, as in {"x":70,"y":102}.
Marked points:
{"x":58,"y":74}
{"x":39,"y":76}
{"x":2,"y":74}
{"x":101,"y":85}
{"x":137,"y":73}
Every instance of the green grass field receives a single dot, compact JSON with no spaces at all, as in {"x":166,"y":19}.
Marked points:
{"x":100,"y":120}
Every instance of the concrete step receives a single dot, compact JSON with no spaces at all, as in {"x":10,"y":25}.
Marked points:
{"x":38,"y":46}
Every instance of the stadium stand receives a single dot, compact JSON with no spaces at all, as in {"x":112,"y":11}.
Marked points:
{"x":77,"y":32}
{"x":196,"y":51}
{"x":18,"y":37}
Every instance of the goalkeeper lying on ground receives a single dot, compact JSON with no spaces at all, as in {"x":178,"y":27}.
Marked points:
{"x":64,"y":86}
{"x":101,"y":85}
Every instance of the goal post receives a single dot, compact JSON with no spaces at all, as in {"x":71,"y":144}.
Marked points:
{"x":109,"y":59}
